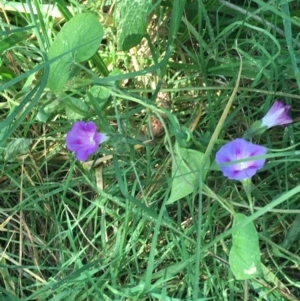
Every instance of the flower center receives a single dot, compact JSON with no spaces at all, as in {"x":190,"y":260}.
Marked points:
{"x":92,"y":141}
{"x":243,"y":165}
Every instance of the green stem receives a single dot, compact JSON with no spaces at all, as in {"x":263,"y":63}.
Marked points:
{"x":247,"y":187}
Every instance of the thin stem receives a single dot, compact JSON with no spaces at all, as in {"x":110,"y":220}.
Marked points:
{"x":117,"y":115}
{"x":246,"y":291}
{"x":247,"y":187}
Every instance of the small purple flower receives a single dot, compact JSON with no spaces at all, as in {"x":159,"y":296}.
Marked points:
{"x":83,"y":139}
{"x":277,"y":115}
{"x":239,"y":149}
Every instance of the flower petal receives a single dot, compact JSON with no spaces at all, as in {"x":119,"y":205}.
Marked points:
{"x":240,"y":149}
{"x":83,"y":153}
{"x":277,"y":115}
{"x":83,"y":139}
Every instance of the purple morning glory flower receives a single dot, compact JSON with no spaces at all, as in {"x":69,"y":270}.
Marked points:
{"x":277,"y":115}
{"x":239,"y":149}
{"x":83,"y":139}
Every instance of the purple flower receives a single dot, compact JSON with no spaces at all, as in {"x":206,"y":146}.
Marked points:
{"x":83,"y":139}
{"x":240,"y":149}
{"x":277,"y":115}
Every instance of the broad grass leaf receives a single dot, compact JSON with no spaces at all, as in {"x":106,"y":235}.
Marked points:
{"x":77,"y":41}
{"x":131,"y":19}
{"x":244,"y":256}
{"x":186,"y":166}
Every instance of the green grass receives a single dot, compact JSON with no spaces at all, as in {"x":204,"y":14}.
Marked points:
{"x":102,"y":230}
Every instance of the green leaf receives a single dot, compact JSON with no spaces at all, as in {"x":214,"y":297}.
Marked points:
{"x":131,"y":18}
{"x":68,"y":294}
{"x":75,"y":108}
{"x":78,"y":40}
{"x":7,"y":296}
{"x":100,"y":95}
{"x":12,"y":40}
{"x":186,"y":166}
{"x":47,"y":109}
{"x":16,"y":147}
{"x":244,"y":256}
{"x":292,"y":234}
{"x":42,"y":116}
{"x":167,"y":298}
{"x":6,"y":74}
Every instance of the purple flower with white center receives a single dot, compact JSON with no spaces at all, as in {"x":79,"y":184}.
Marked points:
{"x":83,"y":139}
{"x":240,"y":149}
{"x":277,"y":115}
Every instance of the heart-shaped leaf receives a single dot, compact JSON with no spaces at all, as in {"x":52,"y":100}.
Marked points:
{"x":131,"y":19}
{"x":244,"y":256}
{"x":186,"y":166}
{"x":77,"y":41}
{"x":75,"y":108}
